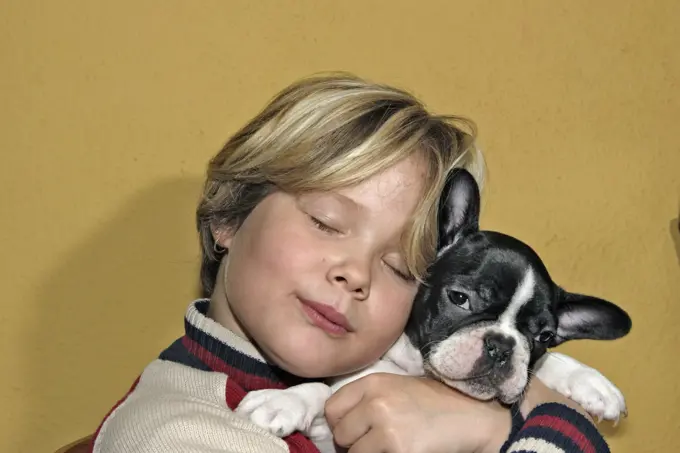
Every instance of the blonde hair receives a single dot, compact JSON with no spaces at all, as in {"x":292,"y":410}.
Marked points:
{"x":327,"y":132}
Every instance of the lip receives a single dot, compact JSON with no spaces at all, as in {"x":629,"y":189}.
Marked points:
{"x":326,"y":317}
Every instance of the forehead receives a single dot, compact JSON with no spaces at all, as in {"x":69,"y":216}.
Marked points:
{"x":496,"y":272}
{"x":391,"y":195}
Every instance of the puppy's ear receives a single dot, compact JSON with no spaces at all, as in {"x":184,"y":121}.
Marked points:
{"x":459,"y":207}
{"x":588,"y":317}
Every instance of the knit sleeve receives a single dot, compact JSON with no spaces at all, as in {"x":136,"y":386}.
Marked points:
{"x":174,"y":408}
{"x":554,"y":427}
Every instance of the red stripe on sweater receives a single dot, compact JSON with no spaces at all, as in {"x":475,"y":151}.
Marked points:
{"x":120,"y":401}
{"x":565,"y":428}
{"x":234,"y":393}
{"x":217,"y":364}
{"x":297,"y":443}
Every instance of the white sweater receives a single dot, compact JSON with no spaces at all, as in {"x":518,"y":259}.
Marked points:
{"x":183,"y":401}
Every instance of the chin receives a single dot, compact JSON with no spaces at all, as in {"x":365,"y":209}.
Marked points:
{"x":307,"y":367}
{"x":472,"y":389}
{"x":299,"y":359}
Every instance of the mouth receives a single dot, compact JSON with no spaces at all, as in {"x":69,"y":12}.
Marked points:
{"x":326,"y":318}
{"x":480,"y":386}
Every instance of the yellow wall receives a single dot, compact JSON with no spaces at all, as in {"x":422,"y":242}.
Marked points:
{"x":109,"y":111}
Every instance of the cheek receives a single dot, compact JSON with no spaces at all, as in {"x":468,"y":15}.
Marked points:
{"x":388,"y":315}
{"x":455,"y":357}
{"x":280,"y":253}
{"x":263,"y":267}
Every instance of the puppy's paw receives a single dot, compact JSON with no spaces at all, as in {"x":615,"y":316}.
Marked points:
{"x":595,"y":393}
{"x":319,"y":431}
{"x":583,"y":384}
{"x":278,"y":411}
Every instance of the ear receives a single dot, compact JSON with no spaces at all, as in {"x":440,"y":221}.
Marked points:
{"x":222,"y":235}
{"x":459,"y":207}
{"x":586,"y":317}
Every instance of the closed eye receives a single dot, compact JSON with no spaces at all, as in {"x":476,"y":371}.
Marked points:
{"x":407,"y":277}
{"x":323,"y":226}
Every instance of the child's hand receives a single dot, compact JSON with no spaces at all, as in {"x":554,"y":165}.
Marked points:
{"x":394,"y":414}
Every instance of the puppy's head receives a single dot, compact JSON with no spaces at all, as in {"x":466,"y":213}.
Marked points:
{"x":489,"y":309}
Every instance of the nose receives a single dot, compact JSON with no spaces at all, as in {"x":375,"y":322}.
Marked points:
{"x":498,"y":347}
{"x":354,"y":276}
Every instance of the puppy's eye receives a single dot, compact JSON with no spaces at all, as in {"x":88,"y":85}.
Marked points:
{"x":545,"y":337}
{"x":460,"y":299}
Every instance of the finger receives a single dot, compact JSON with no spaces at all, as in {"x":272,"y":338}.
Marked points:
{"x":371,"y":442}
{"x":342,"y":401}
{"x":353,"y":425}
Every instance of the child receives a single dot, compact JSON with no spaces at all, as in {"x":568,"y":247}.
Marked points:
{"x":317,"y":221}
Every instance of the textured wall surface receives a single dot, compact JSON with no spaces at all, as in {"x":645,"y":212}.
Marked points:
{"x":110,"y":111}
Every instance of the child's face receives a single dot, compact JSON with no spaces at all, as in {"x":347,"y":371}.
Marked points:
{"x":281,"y":259}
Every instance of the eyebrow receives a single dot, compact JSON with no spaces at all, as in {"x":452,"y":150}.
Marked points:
{"x":344,"y":200}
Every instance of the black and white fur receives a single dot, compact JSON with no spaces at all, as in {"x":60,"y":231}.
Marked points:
{"x":481,"y":323}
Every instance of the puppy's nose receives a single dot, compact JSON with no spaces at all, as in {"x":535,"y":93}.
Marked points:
{"x":498,"y":347}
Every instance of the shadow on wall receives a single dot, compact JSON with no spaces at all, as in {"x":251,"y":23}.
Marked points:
{"x":132,"y":279}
